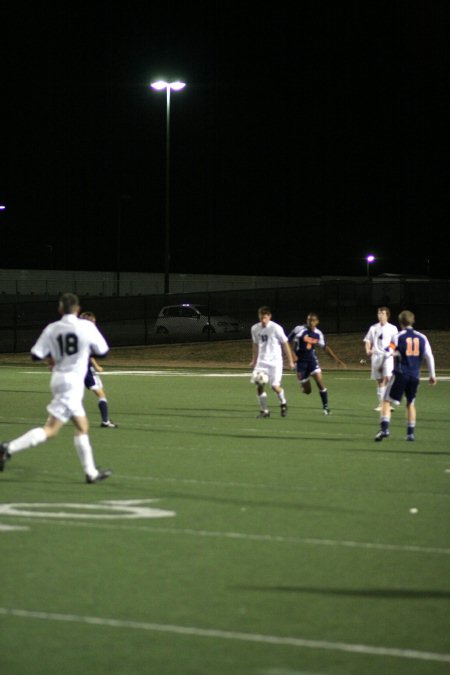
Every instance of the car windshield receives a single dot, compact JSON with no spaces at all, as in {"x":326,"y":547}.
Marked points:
{"x":205,"y":310}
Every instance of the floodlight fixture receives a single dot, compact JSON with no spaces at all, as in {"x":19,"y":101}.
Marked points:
{"x":159,"y":85}
{"x":369,"y":260}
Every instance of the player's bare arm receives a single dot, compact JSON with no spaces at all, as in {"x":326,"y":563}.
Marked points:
{"x":368,"y":345}
{"x":288,"y":353}
{"x":255,"y":352}
{"x":98,"y":368}
{"x":335,"y":357}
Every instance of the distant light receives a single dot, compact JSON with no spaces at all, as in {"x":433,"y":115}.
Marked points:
{"x":370,"y":258}
{"x":162,"y":84}
{"x":2,"y":207}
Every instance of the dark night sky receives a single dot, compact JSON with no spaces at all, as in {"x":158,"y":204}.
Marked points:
{"x":303,"y":141}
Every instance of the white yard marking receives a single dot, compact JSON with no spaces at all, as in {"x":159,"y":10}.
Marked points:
{"x":128,"y":509}
{"x":195,"y":631}
{"x":12,"y":528}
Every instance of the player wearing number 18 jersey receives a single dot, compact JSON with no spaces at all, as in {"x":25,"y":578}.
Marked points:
{"x":67,"y":345}
{"x":409,"y":348}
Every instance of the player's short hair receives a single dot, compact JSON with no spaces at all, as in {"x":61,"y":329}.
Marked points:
{"x":264,"y":309}
{"x":312,"y":315}
{"x":385,"y":309}
{"x":68,"y":303}
{"x":90,"y":316}
{"x":406,"y":318}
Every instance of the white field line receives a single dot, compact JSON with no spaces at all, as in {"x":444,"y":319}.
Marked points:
{"x":440,"y":378}
{"x":241,"y":536}
{"x":154,"y":373}
{"x":193,"y":373}
{"x":12,"y":528}
{"x":278,"y":640}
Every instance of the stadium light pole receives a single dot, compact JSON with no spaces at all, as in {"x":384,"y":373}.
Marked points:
{"x":369,"y":260}
{"x":162,"y":85}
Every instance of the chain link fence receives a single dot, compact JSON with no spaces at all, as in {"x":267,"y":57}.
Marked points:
{"x":343,"y":307}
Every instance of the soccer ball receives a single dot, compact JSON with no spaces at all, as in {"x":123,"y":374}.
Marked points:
{"x":259,"y":377}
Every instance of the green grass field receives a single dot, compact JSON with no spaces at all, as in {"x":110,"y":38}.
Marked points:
{"x":224,"y":544}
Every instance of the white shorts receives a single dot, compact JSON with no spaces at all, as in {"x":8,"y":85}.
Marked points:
{"x":67,"y":402}
{"x":274,"y":371}
{"x":381,"y":366}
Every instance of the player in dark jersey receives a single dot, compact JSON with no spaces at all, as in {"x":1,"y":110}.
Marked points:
{"x":305,"y":339}
{"x":409,"y":348}
{"x":93,"y":382}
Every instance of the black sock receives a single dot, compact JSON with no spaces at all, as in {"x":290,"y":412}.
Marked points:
{"x":324,"y":396}
{"x":103,"y":405}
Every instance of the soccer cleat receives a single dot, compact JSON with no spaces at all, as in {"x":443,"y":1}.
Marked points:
{"x":4,"y":455}
{"x":283,"y":409}
{"x":108,"y":425}
{"x":380,"y":435}
{"x":410,"y":437}
{"x":378,"y":408}
{"x":326,"y":410}
{"x":263,"y":413}
{"x":103,"y":474}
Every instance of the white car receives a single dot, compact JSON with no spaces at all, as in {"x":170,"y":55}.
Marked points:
{"x":190,"y":319}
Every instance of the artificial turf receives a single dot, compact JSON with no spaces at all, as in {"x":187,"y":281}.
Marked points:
{"x":276,"y":546}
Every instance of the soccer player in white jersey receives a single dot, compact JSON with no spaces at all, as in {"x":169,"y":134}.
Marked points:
{"x":269,"y":343}
{"x":66,"y":345}
{"x":378,"y":338}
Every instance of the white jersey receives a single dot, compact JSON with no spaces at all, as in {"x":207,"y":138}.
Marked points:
{"x":269,"y":340}
{"x":70,"y":342}
{"x":380,"y":337}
